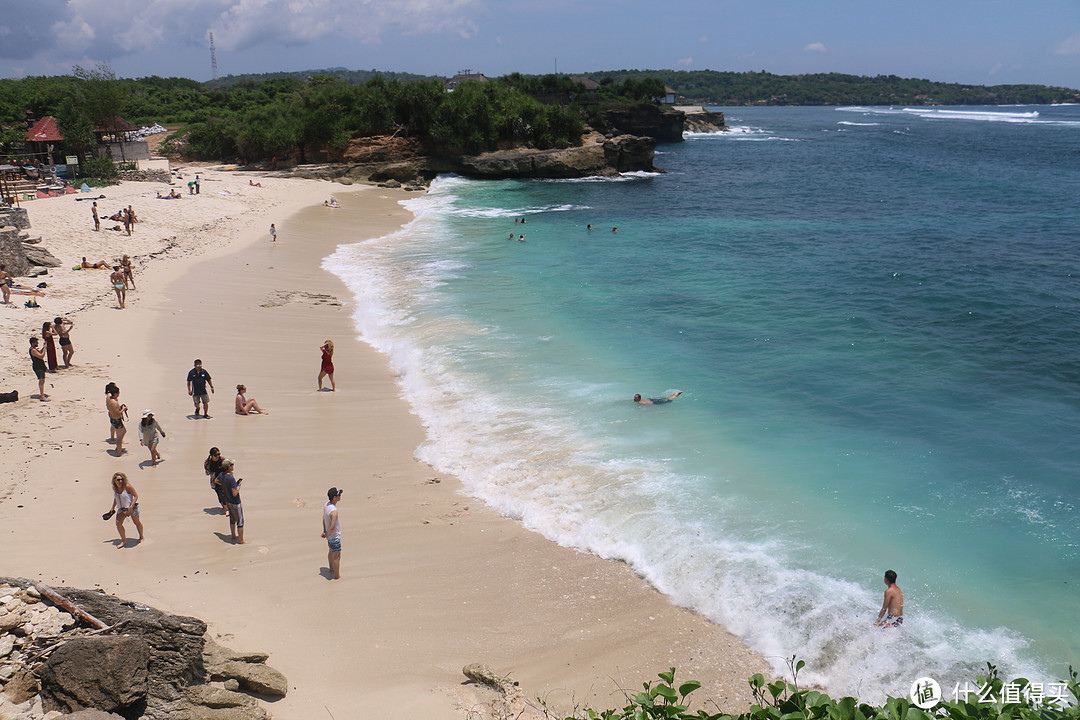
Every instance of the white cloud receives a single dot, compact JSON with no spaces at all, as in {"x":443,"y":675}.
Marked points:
{"x":111,"y":28}
{"x":703,"y":39}
{"x":1068,"y":46}
{"x":815,"y":47}
{"x":685,"y":62}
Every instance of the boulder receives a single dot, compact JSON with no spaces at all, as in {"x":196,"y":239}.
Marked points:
{"x":40,"y":256}
{"x":93,"y":714}
{"x":629,"y":153}
{"x":247,"y":669}
{"x":104,"y":672}
{"x":648,"y":121}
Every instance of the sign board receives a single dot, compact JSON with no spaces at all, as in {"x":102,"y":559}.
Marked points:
{"x":72,"y":160}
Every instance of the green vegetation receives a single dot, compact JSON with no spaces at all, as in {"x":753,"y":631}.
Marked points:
{"x":711,"y":87}
{"x":784,"y":701}
{"x":780,"y":700}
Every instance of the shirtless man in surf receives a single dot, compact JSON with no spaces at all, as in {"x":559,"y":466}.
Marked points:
{"x":892,"y":609}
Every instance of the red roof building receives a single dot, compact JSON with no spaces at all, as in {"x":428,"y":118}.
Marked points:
{"x":44,"y":130}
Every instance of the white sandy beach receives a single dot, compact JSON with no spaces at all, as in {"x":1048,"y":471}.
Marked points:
{"x":432,"y":579}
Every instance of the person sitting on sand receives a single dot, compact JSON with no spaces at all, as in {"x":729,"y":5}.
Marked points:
{"x":252,"y":183}
{"x":173,"y":195}
{"x":118,"y":216}
{"x":245,"y":406}
{"x":99,"y":265}
{"x":5,"y":284}
{"x":657,"y":401}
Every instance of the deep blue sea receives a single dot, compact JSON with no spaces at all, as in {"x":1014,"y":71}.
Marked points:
{"x":874,"y":317}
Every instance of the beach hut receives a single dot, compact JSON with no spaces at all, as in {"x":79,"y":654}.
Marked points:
{"x":44,"y":137}
{"x":116,"y":132}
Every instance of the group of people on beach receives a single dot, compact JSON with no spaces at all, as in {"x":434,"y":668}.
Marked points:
{"x":200,"y":385}
{"x":126,"y":216}
{"x":43,"y":350}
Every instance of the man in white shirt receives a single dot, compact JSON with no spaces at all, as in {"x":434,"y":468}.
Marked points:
{"x":332,"y":532}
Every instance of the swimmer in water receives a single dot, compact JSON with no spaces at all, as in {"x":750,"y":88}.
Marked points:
{"x":657,"y":401}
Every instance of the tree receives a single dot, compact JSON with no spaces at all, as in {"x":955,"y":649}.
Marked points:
{"x":104,"y":97}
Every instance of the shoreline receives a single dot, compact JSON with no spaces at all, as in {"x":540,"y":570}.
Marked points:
{"x":432,"y":579}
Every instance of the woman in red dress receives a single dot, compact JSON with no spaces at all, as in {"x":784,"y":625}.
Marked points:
{"x":47,"y":335}
{"x":327,"y":369}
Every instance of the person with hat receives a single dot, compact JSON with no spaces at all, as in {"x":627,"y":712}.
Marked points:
{"x":332,"y":531}
{"x":149,"y":432}
{"x":232,"y":496}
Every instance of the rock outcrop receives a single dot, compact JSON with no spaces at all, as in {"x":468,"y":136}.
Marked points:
{"x":705,"y":121}
{"x":146,"y":664}
{"x":17,"y":249}
{"x":647,"y":121}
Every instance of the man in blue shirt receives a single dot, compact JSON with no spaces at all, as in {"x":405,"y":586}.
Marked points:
{"x":197,"y":380}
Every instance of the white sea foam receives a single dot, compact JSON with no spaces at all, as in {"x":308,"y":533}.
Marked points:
{"x":621,"y":177}
{"x":858,"y":124}
{"x":537,"y":464}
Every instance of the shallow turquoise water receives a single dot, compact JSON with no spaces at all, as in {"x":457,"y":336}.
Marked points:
{"x":873,"y":314}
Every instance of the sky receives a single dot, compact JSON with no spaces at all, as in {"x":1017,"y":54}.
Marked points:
{"x":984,"y":42}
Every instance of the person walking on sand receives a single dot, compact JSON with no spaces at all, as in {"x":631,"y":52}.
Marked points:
{"x":892,"y":609}
{"x":97,"y":220}
{"x":197,"y":380}
{"x":231,"y":487}
{"x":150,"y":434}
{"x":37,"y":359}
{"x":331,"y":525}
{"x":273,"y":233}
{"x":118,"y":284}
{"x":245,"y":406}
{"x":116,"y":416}
{"x":47,"y":335}
{"x":212,"y":468}
{"x":5,"y":284}
{"x":62,"y":327}
{"x":327,"y":369}
{"x":125,"y":505}
{"x":657,"y":401}
{"x":129,"y":277}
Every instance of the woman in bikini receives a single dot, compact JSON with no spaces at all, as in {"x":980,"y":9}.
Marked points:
{"x":125,"y":265}
{"x":245,"y":406}
{"x":119,"y":285}
{"x":62,"y":327}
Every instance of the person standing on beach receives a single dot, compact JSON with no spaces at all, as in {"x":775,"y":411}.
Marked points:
{"x":37,"y":359}
{"x":118,"y":284}
{"x":5,"y":284}
{"x":97,"y":220}
{"x":125,"y":505}
{"x":331,"y":526}
{"x":149,"y":430}
{"x":47,"y":335}
{"x":197,"y":380}
{"x":327,"y":369}
{"x":62,"y":327}
{"x":116,"y":416}
{"x":212,"y":468}
{"x":892,"y":609}
{"x":231,"y":487}
{"x":198,"y":184}
{"x":273,"y":233}
{"x":129,"y":277}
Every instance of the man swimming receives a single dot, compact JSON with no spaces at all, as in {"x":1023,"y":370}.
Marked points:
{"x":657,"y":401}
{"x":892,"y":609}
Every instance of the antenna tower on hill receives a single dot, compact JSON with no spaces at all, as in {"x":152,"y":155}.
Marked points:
{"x":213,"y":57}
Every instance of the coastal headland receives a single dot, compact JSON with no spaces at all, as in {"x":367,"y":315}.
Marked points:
{"x":432,"y":579}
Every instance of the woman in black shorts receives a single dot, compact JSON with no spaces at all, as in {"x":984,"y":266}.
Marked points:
{"x":37,"y":357}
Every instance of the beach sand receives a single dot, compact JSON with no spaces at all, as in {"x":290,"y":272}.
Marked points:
{"x":432,"y":579}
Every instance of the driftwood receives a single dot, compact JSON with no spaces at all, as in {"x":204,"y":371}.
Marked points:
{"x":60,"y":601}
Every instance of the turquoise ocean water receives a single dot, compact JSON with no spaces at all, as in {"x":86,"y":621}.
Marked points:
{"x":874,"y":314}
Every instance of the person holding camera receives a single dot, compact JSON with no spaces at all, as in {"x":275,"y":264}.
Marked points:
{"x":231,"y":488}
{"x":125,"y":505}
